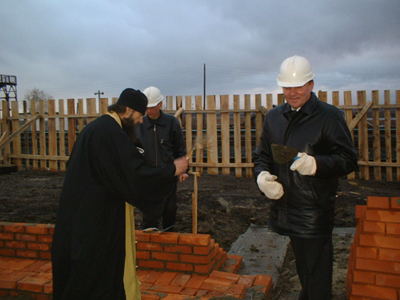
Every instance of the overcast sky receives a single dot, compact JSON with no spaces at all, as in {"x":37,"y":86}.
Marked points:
{"x":72,"y":49}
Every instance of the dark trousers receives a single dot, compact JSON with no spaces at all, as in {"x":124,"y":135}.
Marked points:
{"x":314,"y":264}
{"x":168,"y":216}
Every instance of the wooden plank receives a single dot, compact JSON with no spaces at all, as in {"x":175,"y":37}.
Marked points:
{"x":17,"y":140}
{"x":348,"y":113}
{"x":237,"y":136}
{"x":61,"y":134}
{"x":42,"y":136}
{"x":81,"y":113}
{"x":323,"y":96}
{"x":212,"y":137}
{"x":259,"y":120}
{"x":5,"y":124}
{"x":335,"y":98}
{"x":169,"y":103}
{"x":199,"y":132}
{"x":363,"y":137}
{"x":91,"y":108}
{"x":103,"y":106}
{"x":179,"y":109}
{"x":225,"y":133}
{"x":270,"y":104}
{"x":388,"y":136}
{"x":398,"y":133}
{"x":281,"y":99}
{"x":35,"y":162}
{"x":71,"y":125}
{"x":247,"y":136}
{"x":26,"y":136}
{"x":52,"y":146}
{"x":376,"y":142}
{"x":189,"y":127}
{"x":359,"y":116}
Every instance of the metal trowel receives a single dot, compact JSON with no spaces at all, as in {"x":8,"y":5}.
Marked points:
{"x":283,"y":154}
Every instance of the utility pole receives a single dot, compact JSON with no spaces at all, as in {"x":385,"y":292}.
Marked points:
{"x":204,"y":87}
{"x":98,"y":97}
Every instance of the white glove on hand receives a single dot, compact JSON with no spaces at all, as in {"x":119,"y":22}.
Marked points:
{"x":304,"y":164}
{"x":267,"y":184}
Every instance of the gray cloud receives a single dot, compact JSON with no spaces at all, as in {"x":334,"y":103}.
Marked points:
{"x":72,"y":49}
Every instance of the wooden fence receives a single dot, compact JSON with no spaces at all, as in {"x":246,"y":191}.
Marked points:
{"x":42,"y":136}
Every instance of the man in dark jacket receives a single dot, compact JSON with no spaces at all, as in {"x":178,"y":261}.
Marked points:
{"x":305,"y":187}
{"x":162,"y":139}
{"x":105,"y":171}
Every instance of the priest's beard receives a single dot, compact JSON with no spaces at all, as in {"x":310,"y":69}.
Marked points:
{"x":129,"y":126}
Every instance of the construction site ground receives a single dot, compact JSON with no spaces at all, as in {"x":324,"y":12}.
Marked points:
{"x":230,"y":209}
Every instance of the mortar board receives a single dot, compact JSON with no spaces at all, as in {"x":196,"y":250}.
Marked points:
{"x":134,"y":99}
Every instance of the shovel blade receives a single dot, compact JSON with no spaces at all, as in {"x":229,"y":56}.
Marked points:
{"x":283,"y":154}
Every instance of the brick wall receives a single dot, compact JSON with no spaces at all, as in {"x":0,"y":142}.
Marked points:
{"x":181,"y":252}
{"x":374,"y":264}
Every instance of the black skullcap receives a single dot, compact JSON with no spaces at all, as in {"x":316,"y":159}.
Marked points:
{"x":134,"y":99}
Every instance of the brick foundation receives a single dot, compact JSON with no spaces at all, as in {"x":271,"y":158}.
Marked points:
{"x":170,"y":265}
{"x":374,"y":264}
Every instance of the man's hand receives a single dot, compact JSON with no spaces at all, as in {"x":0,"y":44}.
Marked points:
{"x":305,"y":164}
{"x":183,"y":177}
{"x":181,"y":165}
{"x":267,"y":184}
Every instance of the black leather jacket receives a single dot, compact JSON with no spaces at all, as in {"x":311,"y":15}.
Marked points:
{"x":307,"y":207}
{"x":162,"y":143}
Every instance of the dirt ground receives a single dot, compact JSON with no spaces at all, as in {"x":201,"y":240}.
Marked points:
{"x":226,"y":207}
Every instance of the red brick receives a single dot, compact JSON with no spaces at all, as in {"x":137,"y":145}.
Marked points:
{"x":26,"y":237}
{"x":37,"y":229}
{"x":204,"y":269}
{"x":377,"y":265}
{"x":143,"y":254}
{"x":389,"y":254}
{"x":165,"y":256}
{"x":263,"y":280}
{"x":34,"y":266}
{"x":178,"y":249}
{"x":165,"y":288}
{"x":237,"y":290}
{"x":151,"y":276}
{"x":27,"y":253}
{"x":38,"y":246}
{"x":15,"y":227}
{"x":146,"y":296}
{"x":383,"y":215}
{"x":212,"y":286}
{"x":17,"y":264}
{"x":15,"y":244}
{"x":151,"y":264}
{"x":372,"y":291}
{"x":6,"y":236}
{"x":380,"y":241}
{"x":45,"y":268}
{"x":7,"y":252}
{"x":165,"y":278}
{"x":45,"y":238}
{"x":9,"y":281}
{"x":189,"y":291}
{"x":395,"y":202}
{"x":43,"y":297}
{"x":203,"y":250}
{"x":141,"y":236}
{"x":196,"y":259}
{"x":45,"y":255}
{"x":51,"y":229}
{"x":378,"y":202}
{"x":32,"y":284}
{"x":364,"y":277}
{"x":149,"y":246}
{"x":247,"y":280}
{"x":360,"y":211}
{"x":226,"y":276}
{"x":180,"y":279}
{"x":366,"y":252}
{"x":194,"y":239}
{"x":374,"y":227}
{"x":196,"y":281}
{"x":388,"y":280}
{"x":393,"y":228}
{"x":165,"y":237}
{"x":179,"y":267}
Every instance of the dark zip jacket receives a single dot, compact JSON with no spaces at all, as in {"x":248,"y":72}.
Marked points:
{"x":163,"y":142}
{"x":307,"y":207}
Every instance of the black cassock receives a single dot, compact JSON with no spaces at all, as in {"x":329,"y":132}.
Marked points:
{"x":105,"y":170}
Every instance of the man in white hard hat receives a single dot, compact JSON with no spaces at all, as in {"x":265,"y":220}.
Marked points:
{"x":304,"y":189}
{"x":162,"y":139}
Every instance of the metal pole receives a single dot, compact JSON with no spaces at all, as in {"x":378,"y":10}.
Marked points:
{"x":204,"y":87}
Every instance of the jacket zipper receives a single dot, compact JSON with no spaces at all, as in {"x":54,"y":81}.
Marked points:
{"x":155,"y":143}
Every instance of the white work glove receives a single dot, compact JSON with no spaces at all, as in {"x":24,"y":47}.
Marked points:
{"x":304,"y":164}
{"x":267,"y":184}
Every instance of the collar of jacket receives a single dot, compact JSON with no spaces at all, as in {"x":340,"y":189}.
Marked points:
{"x":306,"y":108}
{"x":116,"y":117}
{"x":161,"y":121}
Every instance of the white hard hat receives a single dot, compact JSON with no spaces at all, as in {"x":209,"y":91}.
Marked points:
{"x":295,"y":71}
{"x":153,"y":95}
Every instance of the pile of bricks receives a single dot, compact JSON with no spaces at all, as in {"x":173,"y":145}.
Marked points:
{"x":374,"y":264}
{"x":170,"y":265}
